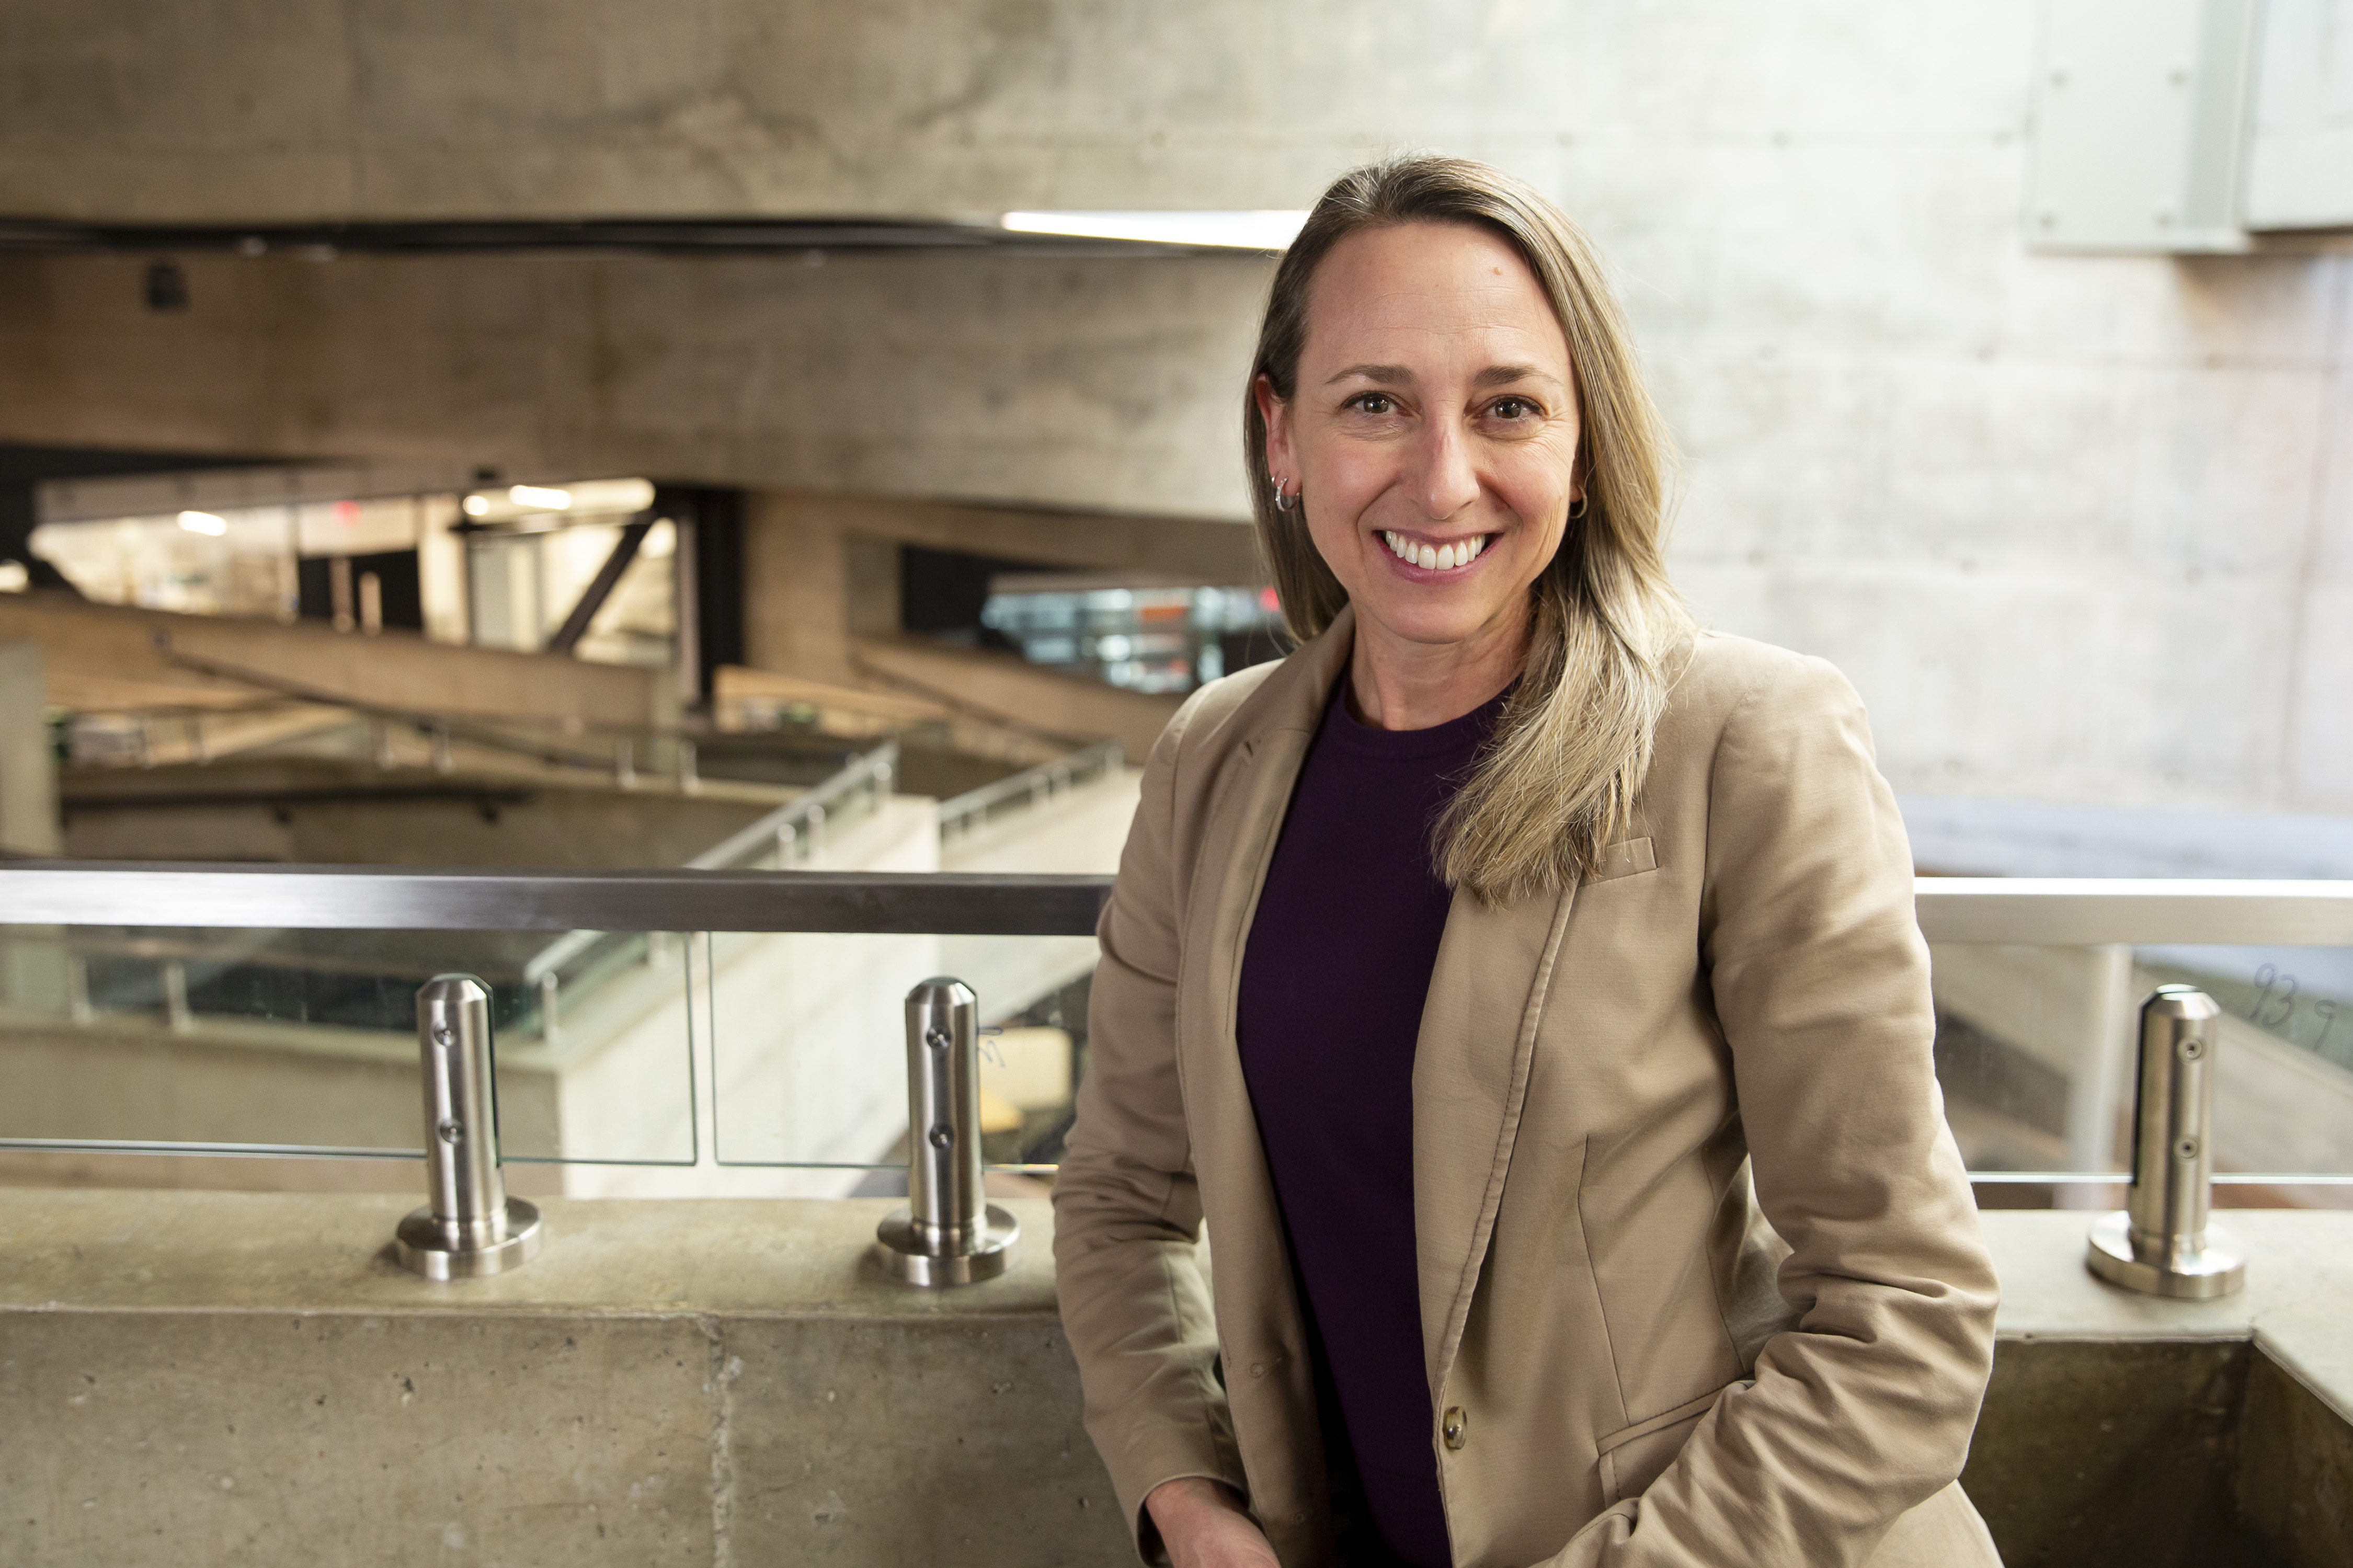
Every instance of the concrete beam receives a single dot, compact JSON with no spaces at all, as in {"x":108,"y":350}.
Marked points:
{"x":1000,"y":686}
{"x":1094,"y":384}
{"x":102,"y":656}
{"x":277,"y":110}
{"x":1215,"y":552}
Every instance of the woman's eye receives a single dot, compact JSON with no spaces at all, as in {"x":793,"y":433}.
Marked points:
{"x":1373,"y":403}
{"x":1514,"y":408}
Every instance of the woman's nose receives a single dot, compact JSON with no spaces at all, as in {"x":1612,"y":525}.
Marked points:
{"x":1443,"y":481}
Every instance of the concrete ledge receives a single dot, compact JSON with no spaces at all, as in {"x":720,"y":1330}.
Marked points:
{"x":314,"y":1253}
{"x":2295,"y":1308}
{"x":217,"y":1378}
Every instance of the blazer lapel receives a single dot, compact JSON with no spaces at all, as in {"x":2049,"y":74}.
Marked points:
{"x":1470,"y":1078}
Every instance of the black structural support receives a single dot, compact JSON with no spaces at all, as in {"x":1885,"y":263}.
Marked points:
{"x":711,"y":579}
{"x":600,"y":588}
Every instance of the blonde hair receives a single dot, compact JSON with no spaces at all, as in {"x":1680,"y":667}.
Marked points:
{"x":1557,"y":782}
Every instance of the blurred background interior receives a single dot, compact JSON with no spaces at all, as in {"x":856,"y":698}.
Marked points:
{"x":804,"y":435}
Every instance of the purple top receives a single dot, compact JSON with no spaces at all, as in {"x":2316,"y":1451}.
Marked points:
{"x":1333,"y":978}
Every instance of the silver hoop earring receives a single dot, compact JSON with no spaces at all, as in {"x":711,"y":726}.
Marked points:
{"x":1283,"y":502}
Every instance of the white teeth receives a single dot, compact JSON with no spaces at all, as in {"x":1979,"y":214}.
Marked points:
{"x":1444,"y":558}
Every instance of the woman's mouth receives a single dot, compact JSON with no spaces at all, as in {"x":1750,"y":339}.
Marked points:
{"x":1451,"y":556}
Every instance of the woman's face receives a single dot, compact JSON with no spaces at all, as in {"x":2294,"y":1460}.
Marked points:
{"x":1432,"y":429}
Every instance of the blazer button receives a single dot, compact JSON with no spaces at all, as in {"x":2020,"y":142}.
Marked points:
{"x":1455,"y":1427}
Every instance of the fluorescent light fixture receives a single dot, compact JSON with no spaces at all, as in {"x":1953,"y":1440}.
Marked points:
{"x":578,"y":501}
{"x":15,"y":578}
{"x":1265,"y":229}
{"x":204,"y":522}
{"x":611,"y":495}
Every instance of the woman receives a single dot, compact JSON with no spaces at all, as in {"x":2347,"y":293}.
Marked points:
{"x":1522,"y":985}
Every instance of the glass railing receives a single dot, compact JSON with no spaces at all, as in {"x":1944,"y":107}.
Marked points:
{"x":2039,"y":985}
{"x":705,"y":1024}
{"x":270,"y":1011}
{"x":272,"y":1040}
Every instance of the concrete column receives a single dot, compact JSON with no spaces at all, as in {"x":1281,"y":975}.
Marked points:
{"x":796,"y":598}
{"x":28,"y":769}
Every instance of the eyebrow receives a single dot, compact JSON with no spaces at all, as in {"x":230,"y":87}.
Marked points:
{"x":1502,"y":374}
{"x":1494,"y":375}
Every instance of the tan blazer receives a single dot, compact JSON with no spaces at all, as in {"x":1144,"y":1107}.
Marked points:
{"x":1742,"y":993}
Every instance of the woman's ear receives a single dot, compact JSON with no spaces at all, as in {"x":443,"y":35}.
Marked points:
{"x":1276,"y":415}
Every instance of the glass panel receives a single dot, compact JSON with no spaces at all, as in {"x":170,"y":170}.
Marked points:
{"x":2037,"y":1050}
{"x":308,"y":1038}
{"x":808,"y":1041}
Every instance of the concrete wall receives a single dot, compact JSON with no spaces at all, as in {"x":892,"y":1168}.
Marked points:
{"x":2081,"y":528}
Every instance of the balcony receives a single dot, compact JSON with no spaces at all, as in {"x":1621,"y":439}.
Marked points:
{"x":230,"y":1375}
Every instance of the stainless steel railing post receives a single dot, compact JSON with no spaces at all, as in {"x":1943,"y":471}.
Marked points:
{"x":471,"y":1227}
{"x":2160,"y":1243}
{"x":948,"y":1234}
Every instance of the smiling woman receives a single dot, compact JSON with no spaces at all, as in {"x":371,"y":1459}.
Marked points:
{"x":1525,"y":985}
{"x":1455,"y":443}
{"x":1468,"y":382}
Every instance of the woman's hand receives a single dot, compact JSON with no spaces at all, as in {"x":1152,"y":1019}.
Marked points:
{"x":1203,"y":1525}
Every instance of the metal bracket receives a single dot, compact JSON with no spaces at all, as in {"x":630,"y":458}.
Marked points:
{"x":471,"y":1227}
{"x":948,"y":1234}
{"x":2160,"y":1244}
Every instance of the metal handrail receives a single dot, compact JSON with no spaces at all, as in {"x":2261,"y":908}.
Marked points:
{"x":2024,"y":910}
{"x":1030,"y":787}
{"x":791,"y":832}
{"x":797,"y":827}
{"x":2092,"y":912}
{"x":356,"y":898}
{"x":1952,"y":910}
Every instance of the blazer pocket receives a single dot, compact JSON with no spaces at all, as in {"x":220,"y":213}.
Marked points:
{"x":1632,"y":1456}
{"x":1627,"y":858}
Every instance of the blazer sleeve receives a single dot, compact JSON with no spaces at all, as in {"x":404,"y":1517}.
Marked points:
{"x":1127,"y":1211}
{"x":1864,"y":1407}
